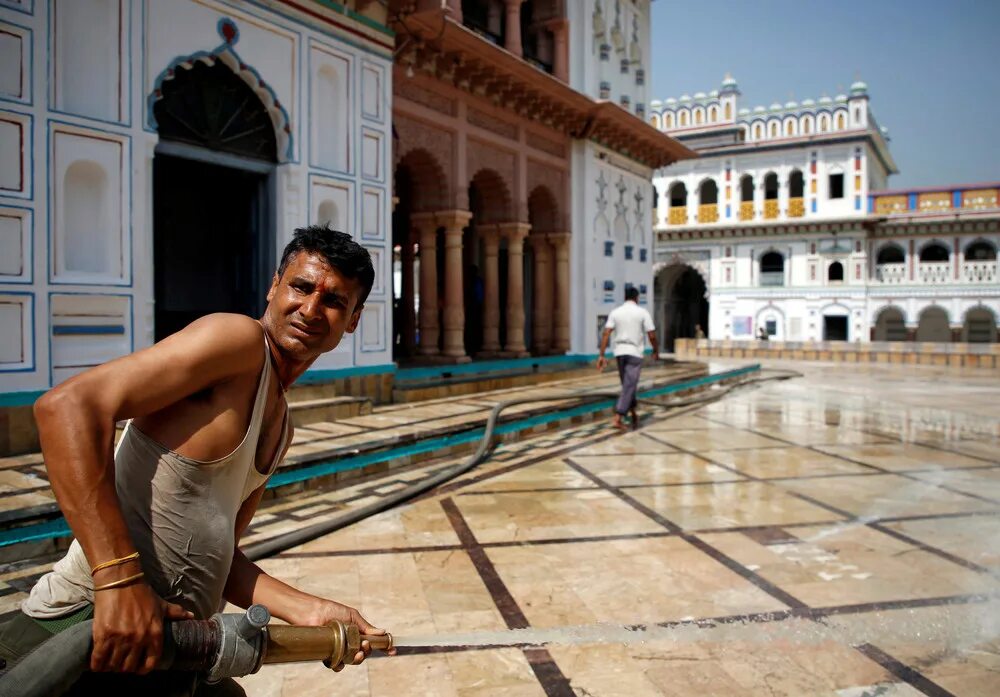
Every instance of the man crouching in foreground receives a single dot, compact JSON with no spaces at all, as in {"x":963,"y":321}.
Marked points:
{"x":157,"y":520}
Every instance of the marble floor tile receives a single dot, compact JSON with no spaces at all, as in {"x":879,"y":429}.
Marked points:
{"x":667,"y":468}
{"x":901,"y":456}
{"x":723,"y":438}
{"x":772,"y":463}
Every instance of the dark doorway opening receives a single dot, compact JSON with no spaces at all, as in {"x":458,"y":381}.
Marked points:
{"x":687,"y":308}
{"x":834,"y":328}
{"x":210,"y":249}
{"x":213,"y":235}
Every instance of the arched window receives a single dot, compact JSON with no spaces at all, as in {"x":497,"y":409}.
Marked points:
{"x":683,"y":118}
{"x":835,"y":272}
{"x":654,"y":121}
{"x":699,"y":116}
{"x":770,"y":186}
{"x":796,"y":184}
{"x":772,"y":269}
{"x":890,"y":325}
{"x":807,"y":125}
{"x":890,"y":254}
{"x":713,"y":114}
{"x":728,"y":111}
{"x":981,"y":250}
{"x":708,"y":193}
{"x":824,"y":123}
{"x":774,"y":129}
{"x":789,"y":128}
{"x":980,"y":326}
{"x":840,"y":121}
{"x":934,"y":325}
{"x":678,"y":195}
{"x":934,"y":252}
{"x":746,"y":188}
{"x":758,"y":131}
{"x":668,"y":121}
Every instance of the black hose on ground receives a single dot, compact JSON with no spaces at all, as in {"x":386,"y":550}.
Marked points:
{"x":281,"y":543}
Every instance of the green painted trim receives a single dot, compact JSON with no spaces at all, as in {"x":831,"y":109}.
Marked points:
{"x":361,"y":19}
{"x":487,"y":367}
{"x":20,"y":399}
{"x":313,"y":377}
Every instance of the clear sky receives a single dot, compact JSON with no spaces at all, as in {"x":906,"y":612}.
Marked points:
{"x":932,"y":68}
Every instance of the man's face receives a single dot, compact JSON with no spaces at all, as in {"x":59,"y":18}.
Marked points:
{"x":311,"y":306}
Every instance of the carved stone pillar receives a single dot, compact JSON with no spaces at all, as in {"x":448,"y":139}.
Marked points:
{"x":560,"y":49}
{"x":425,"y":224}
{"x":560,"y":311}
{"x":515,"y":234}
{"x":407,"y":319}
{"x":513,"y":27}
{"x":541,"y":315}
{"x":490,"y":237}
{"x":453,"y":222}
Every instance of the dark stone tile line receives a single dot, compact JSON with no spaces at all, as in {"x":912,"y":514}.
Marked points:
{"x":547,"y":672}
{"x":502,"y":598}
{"x":911,"y":676}
{"x":936,"y":551}
{"x":850,"y":517}
{"x":935,"y":446}
{"x":882,"y":470}
{"x":756,"y":579}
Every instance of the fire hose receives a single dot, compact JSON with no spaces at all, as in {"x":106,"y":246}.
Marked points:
{"x":224,"y":646}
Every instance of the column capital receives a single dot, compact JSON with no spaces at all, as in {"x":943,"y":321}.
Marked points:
{"x":514,"y":231}
{"x":423,"y":222}
{"x":453,"y":219}
{"x":559,"y":239}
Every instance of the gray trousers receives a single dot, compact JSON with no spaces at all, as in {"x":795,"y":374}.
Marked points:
{"x":628,"y":373}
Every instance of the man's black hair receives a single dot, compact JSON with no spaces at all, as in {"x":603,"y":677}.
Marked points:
{"x":340,"y":251}
{"x":631,"y":293}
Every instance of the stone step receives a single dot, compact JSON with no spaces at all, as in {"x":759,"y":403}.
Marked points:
{"x":308,"y":411}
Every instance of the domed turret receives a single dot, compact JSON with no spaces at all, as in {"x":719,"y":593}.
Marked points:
{"x":840,"y":98}
{"x":808,"y":102}
{"x":670,"y":101}
{"x":791,"y":104}
{"x":759,"y":110}
{"x":685,"y":98}
{"x":700,"y":95}
{"x":656,"y":104}
{"x":713,"y":93}
{"x":776,"y":107}
{"x":743,"y":112}
{"x":728,"y":84}
{"x":859,"y":89}
{"x":825,"y":100}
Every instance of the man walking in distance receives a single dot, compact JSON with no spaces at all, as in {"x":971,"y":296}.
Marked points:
{"x":157,"y":520}
{"x":631,"y":325}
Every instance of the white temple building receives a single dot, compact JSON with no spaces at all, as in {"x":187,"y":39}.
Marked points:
{"x":785,"y":223}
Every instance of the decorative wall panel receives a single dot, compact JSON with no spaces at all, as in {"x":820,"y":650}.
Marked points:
{"x":331,"y":203}
{"x":15,"y":245}
{"x":372,"y":91}
{"x":87,"y":45}
{"x":87,"y":330}
{"x":371,"y":155}
{"x":372,"y":327}
{"x":15,"y":145}
{"x":15,"y":63}
{"x":89,"y":215}
{"x":16,"y":339}
{"x":330,"y":96}
{"x":371,"y":213}
{"x":378,"y":263}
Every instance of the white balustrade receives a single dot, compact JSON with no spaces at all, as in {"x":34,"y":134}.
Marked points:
{"x":980,"y":271}
{"x":935,"y":271}
{"x":890,"y":273}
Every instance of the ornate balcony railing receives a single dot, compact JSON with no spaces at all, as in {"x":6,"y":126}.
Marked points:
{"x":979,"y":271}
{"x":772,"y":278}
{"x":746,"y":210}
{"x":934,"y":271}
{"x":708,"y":213}
{"x":796,"y":207}
{"x":890,"y":273}
{"x":771,"y":209}
{"x":678,"y":215}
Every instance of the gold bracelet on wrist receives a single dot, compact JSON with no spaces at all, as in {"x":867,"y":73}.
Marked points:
{"x":115,"y":562}
{"x":120,"y":582}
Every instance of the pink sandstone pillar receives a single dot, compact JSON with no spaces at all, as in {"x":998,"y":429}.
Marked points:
{"x":513,"y":27}
{"x":560,"y":40}
{"x":490,"y":237}
{"x":515,"y":234}
{"x":428,"y":317}
{"x":541,"y":325}
{"x":453,"y":222}
{"x":560,"y":312}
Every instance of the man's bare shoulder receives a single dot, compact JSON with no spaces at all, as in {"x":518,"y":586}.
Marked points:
{"x":235,"y":339}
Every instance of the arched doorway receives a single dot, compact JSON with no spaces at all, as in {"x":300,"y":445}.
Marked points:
{"x":933,"y":325}
{"x":685,"y":306}
{"x":890,"y":325}
{"x":980,"y":326}
{"x":213,"y":221}
{"x":489,"y":203}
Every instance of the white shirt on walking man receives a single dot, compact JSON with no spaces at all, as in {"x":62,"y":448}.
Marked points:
{"x":631,"y":326}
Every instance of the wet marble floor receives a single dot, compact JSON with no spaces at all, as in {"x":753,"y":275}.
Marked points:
{"x":837,"y":534}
